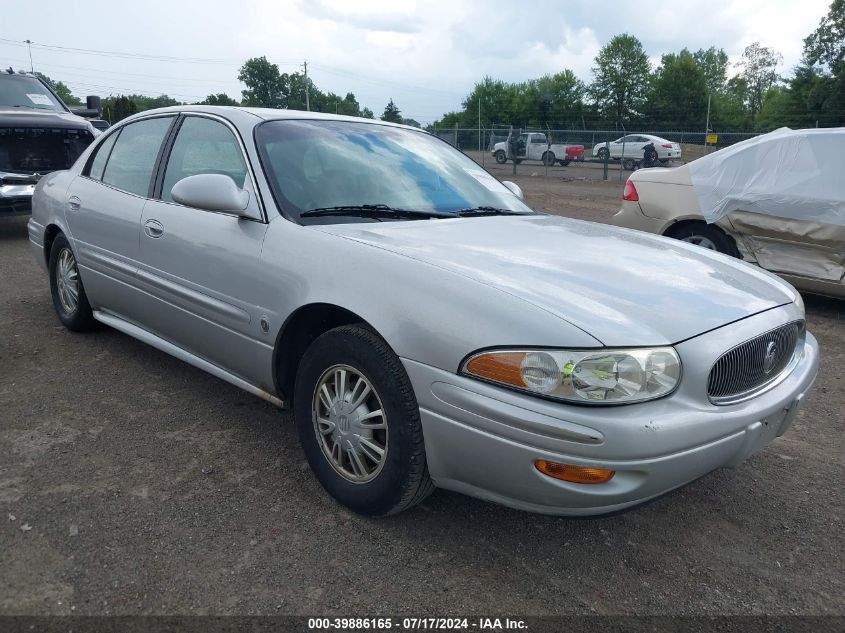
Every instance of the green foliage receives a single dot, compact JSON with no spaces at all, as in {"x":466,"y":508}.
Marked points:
{"x":679,"y":93}
{"x":621,"y":78}
{"x":714,"y":64}
{"x":221,"y":99}
{"x":391,"y":113}
{"x":62,"y":90}
{"x":118,"y":108}
{"x":264,"y":85}
{"x":758,"y":67}
{"x":826,"y":45}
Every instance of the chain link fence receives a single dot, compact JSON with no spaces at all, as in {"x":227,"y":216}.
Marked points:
{"x":480,"y":145}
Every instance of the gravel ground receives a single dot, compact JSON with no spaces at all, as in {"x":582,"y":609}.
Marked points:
{"x":132,"y":483}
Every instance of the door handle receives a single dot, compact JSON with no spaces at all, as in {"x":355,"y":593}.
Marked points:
{"x":153,"y":228}
{"x":74,"y":203}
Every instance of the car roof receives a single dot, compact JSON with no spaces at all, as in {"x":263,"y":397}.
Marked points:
{"x":267,"y":114}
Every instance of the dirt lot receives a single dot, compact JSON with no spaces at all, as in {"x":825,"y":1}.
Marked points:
{"x":133,"y":483}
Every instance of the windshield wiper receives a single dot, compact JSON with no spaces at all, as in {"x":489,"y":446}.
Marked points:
{"x":476,"y":211}
{"x":377,"y":211}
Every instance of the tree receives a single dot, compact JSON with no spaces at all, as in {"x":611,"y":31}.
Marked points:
{"x":713,"y":62}
{"x":264,"y":85}
{"x":826,"y":45}
{"x":118,"y":108}
{"x":367,"y":114}
{"x":679,"y":95}
{"x":392,"y":113}
{"x":61,"y":89}
{"x":621,"y":78}
{"x":758,"y":67}
{"x":221,"y":99}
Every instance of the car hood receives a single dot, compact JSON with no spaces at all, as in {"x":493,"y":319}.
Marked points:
{"x":623,"y":287}
{"x":21,"y":117}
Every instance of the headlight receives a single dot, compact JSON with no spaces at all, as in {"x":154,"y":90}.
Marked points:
{"x":604,"y":376}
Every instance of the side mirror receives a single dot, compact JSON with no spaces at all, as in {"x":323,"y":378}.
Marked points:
{"x":514,"y":188}
{"x":93,"y":102}
{"x":86,"y":113}
{"x":211,"y":192}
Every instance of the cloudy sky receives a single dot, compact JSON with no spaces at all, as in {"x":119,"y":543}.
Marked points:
{"x":426,"y":55}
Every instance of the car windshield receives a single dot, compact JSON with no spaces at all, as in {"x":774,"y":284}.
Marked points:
{"x":332,"y":166}
{"x":21,"y":91}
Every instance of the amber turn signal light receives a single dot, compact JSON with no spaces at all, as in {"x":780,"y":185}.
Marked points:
{"x":574,"y":474}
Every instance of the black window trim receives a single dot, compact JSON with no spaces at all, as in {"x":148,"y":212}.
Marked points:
{"x":167,"y":148}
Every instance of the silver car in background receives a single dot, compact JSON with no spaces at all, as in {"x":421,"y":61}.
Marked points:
{"x":425,"y":326}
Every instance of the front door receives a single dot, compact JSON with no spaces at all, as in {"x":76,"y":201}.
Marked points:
{"x":202,"y":266}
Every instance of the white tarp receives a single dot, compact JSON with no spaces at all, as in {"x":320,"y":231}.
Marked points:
{"x":797,"y":174}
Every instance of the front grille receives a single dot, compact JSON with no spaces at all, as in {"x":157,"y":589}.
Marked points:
{"x":750,"y":367}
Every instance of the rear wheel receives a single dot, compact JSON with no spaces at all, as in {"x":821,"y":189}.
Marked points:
{"x":549,"y":159}
{"x":703,"y":235}
{"x":69,"y":298}
{"x":359,"y":423}
{"x":501,"y":157}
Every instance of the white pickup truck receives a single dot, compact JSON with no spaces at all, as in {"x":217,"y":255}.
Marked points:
{"x":535,"y":146}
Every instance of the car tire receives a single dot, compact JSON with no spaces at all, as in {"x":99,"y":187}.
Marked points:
{"x":628,"y":164}
{"x":501,"y":157}
{"x":68,"y":293}
{"x":341,"y":446}
{"x":565,"y":163}
{"x":517,"y":161}
{"x":703,"y":235}
{"x":602,"y":154}
{"x":549,"y":159}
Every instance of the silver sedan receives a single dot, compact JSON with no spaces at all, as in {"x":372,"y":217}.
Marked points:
{"x":426,"y":327}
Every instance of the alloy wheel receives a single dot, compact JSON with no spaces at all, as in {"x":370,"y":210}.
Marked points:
{"x":350,"y":423}
{"x":67,"y":281}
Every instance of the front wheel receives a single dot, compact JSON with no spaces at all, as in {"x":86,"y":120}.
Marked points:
{"x":359,"y":423}
{"x":501,"y":157}
{"x":628,"y":164}
{"x":565,"y":163}
{"x":703,"y":235}
{"x":69,"y":298}
{"x":602,"y":154}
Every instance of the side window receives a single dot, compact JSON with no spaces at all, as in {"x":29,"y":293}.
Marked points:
{"x":133,"y":157}
{"x":203,"y":146}
{"x":102,"y":155}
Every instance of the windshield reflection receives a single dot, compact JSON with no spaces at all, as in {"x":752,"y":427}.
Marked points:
{"x":318,"y":164}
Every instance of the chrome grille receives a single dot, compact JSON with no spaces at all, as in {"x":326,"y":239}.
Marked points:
{"x":752,"y":366}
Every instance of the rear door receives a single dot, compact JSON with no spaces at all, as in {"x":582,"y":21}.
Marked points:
{"x":104,"y":207}
{"x":202,"y":266}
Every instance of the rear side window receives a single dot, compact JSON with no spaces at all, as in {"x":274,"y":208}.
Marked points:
{"x":100,"y":158}
{"x":133,"y":157}
{"x":203,"y":146}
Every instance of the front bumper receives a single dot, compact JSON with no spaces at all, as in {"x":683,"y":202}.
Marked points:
{"x":483,"y":440}
{"x":15,"y":199}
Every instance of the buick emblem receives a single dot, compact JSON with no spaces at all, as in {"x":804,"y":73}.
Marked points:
{"x":343,"y":423}
{"x":770,"y":358}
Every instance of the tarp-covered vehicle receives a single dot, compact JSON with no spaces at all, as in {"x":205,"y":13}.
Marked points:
{"x":38,"y":134}
{"x":777,"y":200}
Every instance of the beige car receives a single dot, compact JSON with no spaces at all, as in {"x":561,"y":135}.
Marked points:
{"x":774,"y":201}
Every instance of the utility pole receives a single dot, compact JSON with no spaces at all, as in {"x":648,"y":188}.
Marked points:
{"x":29,"y":48}
{"x":707,"y":124}
{"x":307,"y":103}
